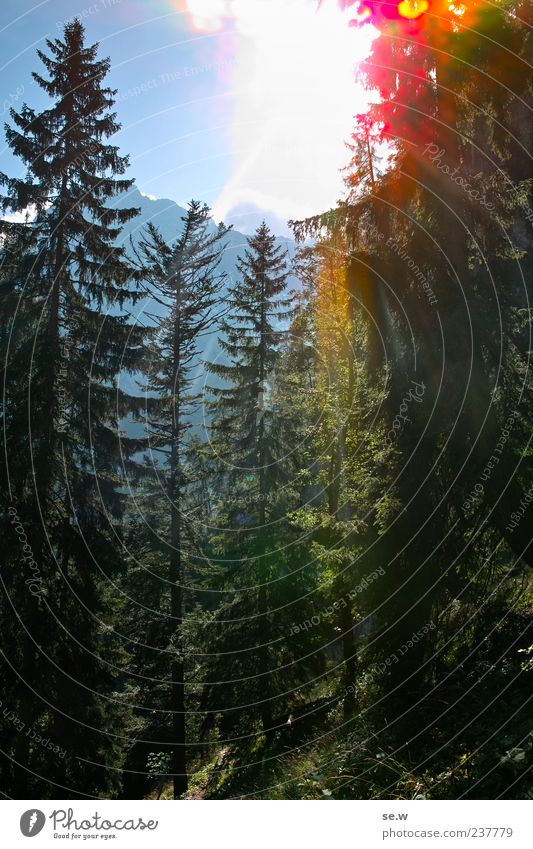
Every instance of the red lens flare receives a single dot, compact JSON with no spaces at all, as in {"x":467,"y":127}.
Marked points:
{"x":412,"y":9}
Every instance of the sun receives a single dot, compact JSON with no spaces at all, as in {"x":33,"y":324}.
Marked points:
{"x":294,"y":97}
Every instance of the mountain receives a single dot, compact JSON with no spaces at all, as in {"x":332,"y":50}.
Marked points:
{"x":167,"y":215}
{"x":246,"y":217}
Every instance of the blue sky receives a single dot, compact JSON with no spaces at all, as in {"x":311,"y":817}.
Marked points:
{"x":170,"y":80}
{"x":247,"y":111}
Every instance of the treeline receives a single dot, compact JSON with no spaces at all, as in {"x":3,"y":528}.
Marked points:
{"x":300,"y":570}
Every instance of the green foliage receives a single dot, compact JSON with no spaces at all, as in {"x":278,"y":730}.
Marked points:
{"x":63,"y":286}
{"x":328,"y":597}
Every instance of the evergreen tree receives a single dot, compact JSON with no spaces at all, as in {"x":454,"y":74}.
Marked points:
{"x":250,"y":454}
{"x":431,"y":533}
{"x":185,"y":280}
{"x":362,"y":170}
{"x":415,"y":286}
{"x":69,"y":342}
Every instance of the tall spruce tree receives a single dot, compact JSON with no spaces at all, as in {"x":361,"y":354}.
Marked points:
{"x":416,"y":285}
{"x":186,"y":281}
{"x":70,"y":339}
{"x":247,"y":442}
{"x":449,"y":176}
{"x":448,"y":172}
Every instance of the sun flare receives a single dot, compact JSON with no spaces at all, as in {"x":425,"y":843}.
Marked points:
{"x":294,"y":99}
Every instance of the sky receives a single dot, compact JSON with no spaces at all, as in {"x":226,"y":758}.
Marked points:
{"x":244,"y":104}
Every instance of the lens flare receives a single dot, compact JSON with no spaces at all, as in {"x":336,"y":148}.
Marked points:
{"x":293,"y":98}
{"x":412,"y":9}
{"x":457,"y":9}
{"x":208,"y":14}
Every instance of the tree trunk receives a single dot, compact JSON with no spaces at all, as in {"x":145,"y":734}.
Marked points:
{"x":264,"y":659}
{"x":179,"y":752}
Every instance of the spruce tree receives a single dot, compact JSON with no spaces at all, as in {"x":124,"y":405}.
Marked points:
{"x":186,"y":282}
{"x":70,"y":340}
{"x":250,"y":453}
{"x":398,"y":251}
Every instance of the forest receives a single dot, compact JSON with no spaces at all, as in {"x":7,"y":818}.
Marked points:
{"x":299,"y":568}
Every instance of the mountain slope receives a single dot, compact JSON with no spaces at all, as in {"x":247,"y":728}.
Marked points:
{"x":167,"y":215}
